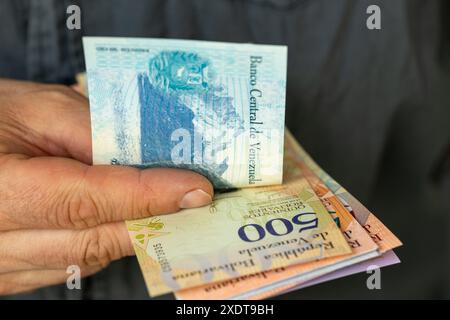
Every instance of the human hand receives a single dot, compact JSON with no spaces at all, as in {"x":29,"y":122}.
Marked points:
{"x":58,"y":210}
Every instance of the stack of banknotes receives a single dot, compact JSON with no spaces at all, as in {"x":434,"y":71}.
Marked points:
{"x":278,"y":222}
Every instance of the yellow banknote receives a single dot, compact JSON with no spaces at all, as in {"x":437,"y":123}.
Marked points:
{"x":271,"y":282}
{"x":379,"y":233}
{"x":385,"y":239}
{"x":241,"y":233}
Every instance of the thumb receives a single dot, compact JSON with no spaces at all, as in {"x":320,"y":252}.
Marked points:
{"x":51,"y":192}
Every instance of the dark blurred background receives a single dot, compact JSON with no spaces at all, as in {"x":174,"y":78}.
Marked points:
{"x":371,"y":106}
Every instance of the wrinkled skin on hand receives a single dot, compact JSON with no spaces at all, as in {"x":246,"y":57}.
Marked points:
{"x":56,"y":209}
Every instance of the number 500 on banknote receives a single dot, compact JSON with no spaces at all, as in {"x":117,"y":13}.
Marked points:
{"x":216,"y":108}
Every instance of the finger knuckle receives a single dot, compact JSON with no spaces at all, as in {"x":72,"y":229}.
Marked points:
{"x":83,"y":210}
{"x":80,"y":209}
{"x":56,"y":96}
{"x":95,"y":249}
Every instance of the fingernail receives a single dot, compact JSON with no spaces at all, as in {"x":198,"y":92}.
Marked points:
{"x":194,"y":199}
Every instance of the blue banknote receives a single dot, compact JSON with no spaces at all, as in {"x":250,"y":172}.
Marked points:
{"x":212,"y":107}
